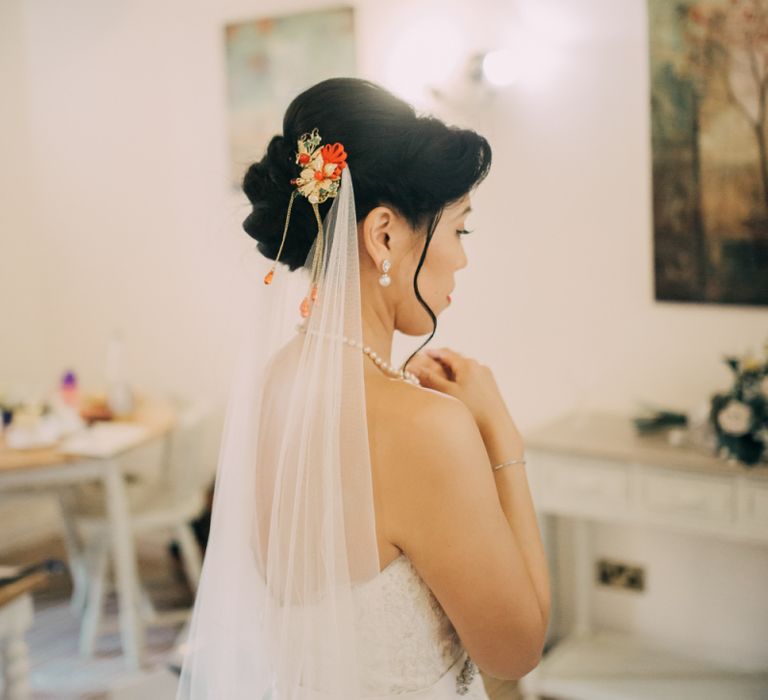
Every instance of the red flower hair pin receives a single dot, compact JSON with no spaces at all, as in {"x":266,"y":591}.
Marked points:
{"x":322,"y":168}
{"x":319,"y":180}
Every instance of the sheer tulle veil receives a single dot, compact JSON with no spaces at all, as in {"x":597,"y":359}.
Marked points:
{"x":293,"y":529}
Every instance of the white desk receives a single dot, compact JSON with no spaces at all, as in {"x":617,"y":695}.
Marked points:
{"x":587,"y":468}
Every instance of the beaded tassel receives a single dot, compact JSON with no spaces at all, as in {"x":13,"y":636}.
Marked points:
{"x":317,"y":266}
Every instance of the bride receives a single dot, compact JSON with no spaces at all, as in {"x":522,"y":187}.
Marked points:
{"x":373,"y":534}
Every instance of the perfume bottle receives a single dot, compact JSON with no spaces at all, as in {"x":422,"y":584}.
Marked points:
{"x":119,"y":394}
{"x":68,"y":389}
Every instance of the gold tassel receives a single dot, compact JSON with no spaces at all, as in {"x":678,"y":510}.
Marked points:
{"x":268,"y":277}
{"x":317,"y":264}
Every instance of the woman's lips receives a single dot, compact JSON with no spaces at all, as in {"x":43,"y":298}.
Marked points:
{"x":449,"y":298}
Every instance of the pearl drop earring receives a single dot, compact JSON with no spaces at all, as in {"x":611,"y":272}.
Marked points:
{"x":385,"y":279}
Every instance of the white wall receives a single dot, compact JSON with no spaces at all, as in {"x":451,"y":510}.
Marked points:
{"x":22,"y":295}
{"x":121,"y":215}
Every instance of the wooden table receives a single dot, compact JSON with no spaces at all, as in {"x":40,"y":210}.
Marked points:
{"x":49,"y":468}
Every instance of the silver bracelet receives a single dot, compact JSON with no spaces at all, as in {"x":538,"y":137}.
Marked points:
{"x":506,"y":464}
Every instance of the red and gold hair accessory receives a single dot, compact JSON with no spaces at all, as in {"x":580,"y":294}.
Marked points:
{"x":319,"y":180}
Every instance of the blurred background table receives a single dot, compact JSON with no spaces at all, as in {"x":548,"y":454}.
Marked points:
{"x":49,"y":467}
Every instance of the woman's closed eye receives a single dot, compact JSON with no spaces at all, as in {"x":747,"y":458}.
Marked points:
{"x":463,"y":231}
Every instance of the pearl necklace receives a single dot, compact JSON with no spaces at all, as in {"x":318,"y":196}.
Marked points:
{"x":405,"y":375}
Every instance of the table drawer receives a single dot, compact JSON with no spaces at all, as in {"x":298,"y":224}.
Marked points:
{"x":586,"y":482}
{"x":688,"y":496}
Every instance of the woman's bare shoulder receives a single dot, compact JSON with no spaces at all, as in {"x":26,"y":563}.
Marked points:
{"x":403,"y":404}
{"x":408,"y":421}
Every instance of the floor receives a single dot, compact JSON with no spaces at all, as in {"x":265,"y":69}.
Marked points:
{"x":59,"y":672}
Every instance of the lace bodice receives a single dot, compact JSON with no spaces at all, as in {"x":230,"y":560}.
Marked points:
{"x":409,"y":647}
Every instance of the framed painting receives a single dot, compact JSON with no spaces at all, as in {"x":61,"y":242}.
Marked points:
{"x":272,"y":59}
{"x":709,"y":94}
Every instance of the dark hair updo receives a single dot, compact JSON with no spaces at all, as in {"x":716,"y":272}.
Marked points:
{"x":415,"y":164}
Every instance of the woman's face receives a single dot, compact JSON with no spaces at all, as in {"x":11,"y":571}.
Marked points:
{"x":393,"y":239}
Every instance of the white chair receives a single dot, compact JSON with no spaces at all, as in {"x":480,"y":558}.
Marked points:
{"x":15,"y":619}
{"x":165,"y":504}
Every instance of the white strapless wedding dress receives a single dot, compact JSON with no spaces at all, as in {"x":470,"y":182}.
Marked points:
{"x":409,"y":647}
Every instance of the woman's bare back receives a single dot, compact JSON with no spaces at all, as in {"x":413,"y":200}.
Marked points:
{"x":391,"y":406}
{"x":435,"y":501}
{"x":387,"y":400}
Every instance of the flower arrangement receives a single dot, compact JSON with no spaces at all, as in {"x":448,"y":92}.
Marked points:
{"x":740,"y":416}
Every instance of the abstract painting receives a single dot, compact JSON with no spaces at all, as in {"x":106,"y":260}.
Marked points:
{"x":270,"y":61}
{"x":709,"y":96}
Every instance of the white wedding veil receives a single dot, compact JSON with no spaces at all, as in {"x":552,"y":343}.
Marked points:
{"x":293,"y":527}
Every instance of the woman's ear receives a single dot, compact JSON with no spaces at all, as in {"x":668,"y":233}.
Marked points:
{"x":377,"y":228}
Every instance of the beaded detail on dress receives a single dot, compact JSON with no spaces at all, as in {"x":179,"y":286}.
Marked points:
{"x":465,"y":677}
{"x":408,"y":643}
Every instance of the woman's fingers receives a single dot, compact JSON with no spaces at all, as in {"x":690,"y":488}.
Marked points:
{"x":446,"y":368}
{"x":446,"y":353}
{"x":449,"y":358}
{"x":421,"y":361}
{"x":434,"y":379}
{"x":430,"y":372}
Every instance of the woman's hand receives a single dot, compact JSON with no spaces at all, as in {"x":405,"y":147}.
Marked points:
{"x":464,"y":378}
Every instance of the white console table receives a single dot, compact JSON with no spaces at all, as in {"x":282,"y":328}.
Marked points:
{"x":594,"y":467}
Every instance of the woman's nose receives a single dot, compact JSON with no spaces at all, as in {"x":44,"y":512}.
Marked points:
{"x":462,"y":258}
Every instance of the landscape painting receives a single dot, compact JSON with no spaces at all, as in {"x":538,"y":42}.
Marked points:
{"x":269,"y":61}
{"x":709,"y":95}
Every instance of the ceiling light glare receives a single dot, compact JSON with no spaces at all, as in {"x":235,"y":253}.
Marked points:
{"x":500,"y":67}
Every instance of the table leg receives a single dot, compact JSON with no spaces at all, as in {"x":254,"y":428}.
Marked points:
{"x":126,"y":574}
{"x":74,"y":547}
{"x":548,"y":526}
{"x":584,"y":575}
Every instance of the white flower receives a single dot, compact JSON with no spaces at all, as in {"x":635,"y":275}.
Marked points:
{"x":764,"y":386}
{"x":735,"y":418}
{"x":321,"y":167}
{"x":308,"y":183}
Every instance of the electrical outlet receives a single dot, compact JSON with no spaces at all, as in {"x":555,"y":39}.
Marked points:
{"x":619,"y":574}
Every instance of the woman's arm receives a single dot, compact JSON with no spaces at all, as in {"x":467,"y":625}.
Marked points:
{"x":473,"y":383}
{"x":443,"y":510}
{"x":502,"y":443}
